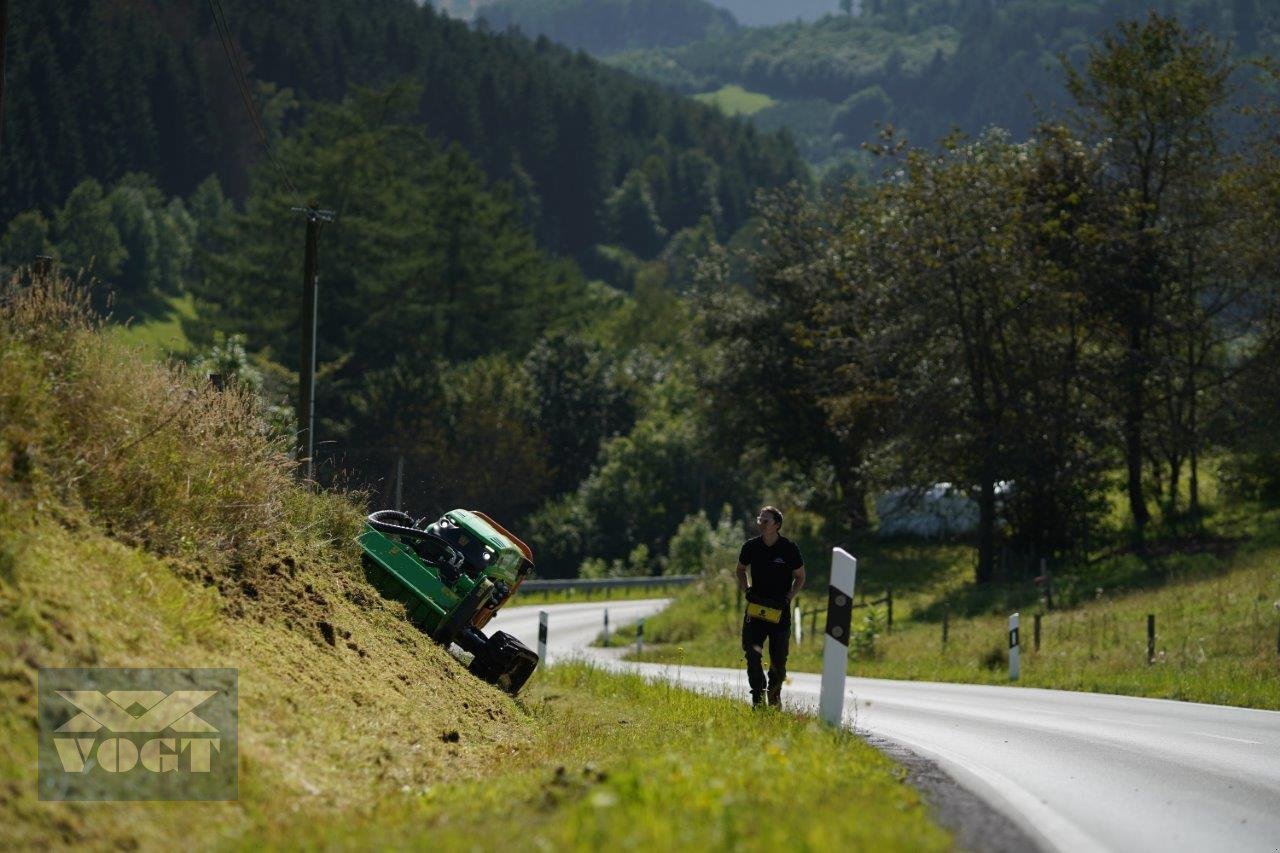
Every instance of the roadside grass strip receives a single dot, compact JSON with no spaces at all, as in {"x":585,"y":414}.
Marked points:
{"x":1217,"y":625}
{"x":619,"y":762}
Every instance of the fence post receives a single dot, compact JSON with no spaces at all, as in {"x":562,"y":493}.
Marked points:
{"x":1015,"y":668}
{"x":542,"y":635}
{"x":640,"y":637}
{"x":888,"y":598}
{"x":606,"y":627}
{"x":1151,"y":638}
{"x":835,"y":651}
{"x":399,"y":480}
{"x":813,"y":622}
{"x":946,"y":619}
{"x":1036,"y":624}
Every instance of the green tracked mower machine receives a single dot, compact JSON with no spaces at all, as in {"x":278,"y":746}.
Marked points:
{"x":452,"y":575}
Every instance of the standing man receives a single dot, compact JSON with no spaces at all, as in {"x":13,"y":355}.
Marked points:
{"x":777,"y":574}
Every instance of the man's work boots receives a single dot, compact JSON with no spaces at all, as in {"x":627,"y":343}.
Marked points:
{"x":775,"y":696}
{"x":757,"y":700}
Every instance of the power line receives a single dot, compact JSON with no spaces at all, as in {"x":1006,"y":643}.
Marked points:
{"x":246,"y":93}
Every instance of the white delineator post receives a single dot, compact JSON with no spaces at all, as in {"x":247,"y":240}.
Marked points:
{"x":1014,"y":664}
{"x":835,"y":646}
{"x":795,"y":623}
{"x":542,"y":635}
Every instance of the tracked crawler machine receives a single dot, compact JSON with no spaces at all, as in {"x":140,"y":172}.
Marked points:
{"x":452,"y":575}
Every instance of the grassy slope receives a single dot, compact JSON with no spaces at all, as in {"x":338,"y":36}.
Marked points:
{"x":1216,"y":600}
{"x":734,"y":100}
{"x":160,"y":336}
{"x":145,"y":520}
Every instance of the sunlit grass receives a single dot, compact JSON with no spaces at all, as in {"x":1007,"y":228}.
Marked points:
{"x":734,"y":100}
{"x":161,"y":336}
{"x":1214,"y":590}
{"x":619,"y":762}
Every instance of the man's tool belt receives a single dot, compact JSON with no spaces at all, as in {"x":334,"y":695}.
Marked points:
{"x":765,"y":609}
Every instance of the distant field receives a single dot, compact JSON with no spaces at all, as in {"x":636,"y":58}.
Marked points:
{"x":160,"y":336}
{"x":735,"y":100}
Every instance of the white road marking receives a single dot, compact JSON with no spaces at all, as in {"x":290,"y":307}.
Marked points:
{"x":1224,"y":737}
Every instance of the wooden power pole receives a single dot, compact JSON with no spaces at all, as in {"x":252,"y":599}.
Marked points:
{"x":307,"y":373}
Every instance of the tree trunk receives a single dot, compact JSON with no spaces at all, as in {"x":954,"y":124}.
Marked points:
{"x":1133,"y":440}
{"x":986,"y":527}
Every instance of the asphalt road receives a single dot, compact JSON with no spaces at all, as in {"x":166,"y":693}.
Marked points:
{"x":1074,"y":771}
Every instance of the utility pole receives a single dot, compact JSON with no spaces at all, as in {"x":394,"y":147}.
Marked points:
{"x":307,"y":374}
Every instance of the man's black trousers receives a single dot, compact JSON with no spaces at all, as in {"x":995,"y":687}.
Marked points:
{"x":755,"y":634}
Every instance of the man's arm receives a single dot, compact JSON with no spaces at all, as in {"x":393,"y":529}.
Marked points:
{"x":742,"y":577}
{"x":797,"y":581}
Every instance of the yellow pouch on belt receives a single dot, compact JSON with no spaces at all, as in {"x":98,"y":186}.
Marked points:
{"x":760,"y":611}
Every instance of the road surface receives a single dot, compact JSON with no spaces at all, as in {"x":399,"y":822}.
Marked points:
{"x":1075,"y":771}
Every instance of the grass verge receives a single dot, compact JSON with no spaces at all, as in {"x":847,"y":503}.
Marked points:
{"x":619,"y":762}
{"x":1216,"y":599}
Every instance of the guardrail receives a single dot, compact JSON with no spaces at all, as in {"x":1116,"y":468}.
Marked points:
{"x":591,"y":584}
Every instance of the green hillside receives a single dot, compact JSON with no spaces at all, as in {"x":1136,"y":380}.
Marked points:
{"x":147,"y":520}
{"x":101,"y":90}
{"x":601,"y":27}
{"x":924,"y":67}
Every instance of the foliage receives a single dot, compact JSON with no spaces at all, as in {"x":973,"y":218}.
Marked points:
{"x":700,"y":547}
{"x":607,"y":26}
{"x":106,"y":89}
{"x":940,"y":66}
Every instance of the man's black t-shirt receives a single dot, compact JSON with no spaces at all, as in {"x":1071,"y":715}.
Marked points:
{"x":771,"y":568}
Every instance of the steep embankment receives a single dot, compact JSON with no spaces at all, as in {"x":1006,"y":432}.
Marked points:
{"x":147,"y":520}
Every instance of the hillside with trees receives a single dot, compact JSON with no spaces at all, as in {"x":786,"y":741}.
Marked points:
{"x":103,"y":89}
{"x":925,"y":66}
{"x":602,"y":27}
{"x":1050,"y":322}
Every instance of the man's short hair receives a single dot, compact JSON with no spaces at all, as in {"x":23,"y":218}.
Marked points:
{"x":774,"y":511}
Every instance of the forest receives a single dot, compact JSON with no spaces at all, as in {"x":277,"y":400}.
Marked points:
{"x":621,"y":342}
{"x":926,"y":67}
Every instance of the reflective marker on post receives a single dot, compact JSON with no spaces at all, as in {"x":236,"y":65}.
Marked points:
{"x":542,"y":635}
{"x":835,"y":649}
{"x":1014,"y":667}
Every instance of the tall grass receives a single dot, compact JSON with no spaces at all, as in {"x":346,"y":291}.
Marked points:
{"x":151,"y":451}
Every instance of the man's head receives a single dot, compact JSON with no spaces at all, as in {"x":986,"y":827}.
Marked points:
{"x":770,"y":519}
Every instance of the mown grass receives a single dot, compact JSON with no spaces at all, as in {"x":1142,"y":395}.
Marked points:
{"x":160,"y":336}
{"x":621,"y":763}
{"x":734,"y":100}
{"x":149,"y":520}
{"x":1215,"y":595}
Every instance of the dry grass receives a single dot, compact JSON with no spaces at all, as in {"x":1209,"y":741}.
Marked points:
{"x":149,"y":520}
